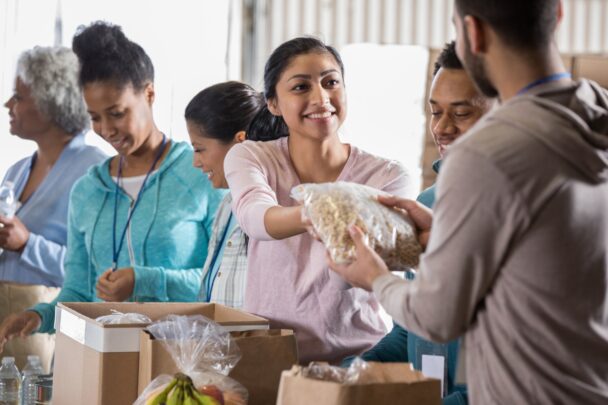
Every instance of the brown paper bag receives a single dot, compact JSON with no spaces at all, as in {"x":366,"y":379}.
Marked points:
{"x":265,"y":354}
{"x":384,"y":383}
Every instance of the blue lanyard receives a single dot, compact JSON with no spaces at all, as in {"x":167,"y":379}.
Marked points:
{"x":543,"y":80}
{"x":116,"y":252}
{"x":210,"y":278}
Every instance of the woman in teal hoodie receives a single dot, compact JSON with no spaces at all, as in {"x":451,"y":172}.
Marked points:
{"x":138,"y":224}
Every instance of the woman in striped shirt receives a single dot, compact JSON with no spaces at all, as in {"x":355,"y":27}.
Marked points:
{"x":217,"y":119}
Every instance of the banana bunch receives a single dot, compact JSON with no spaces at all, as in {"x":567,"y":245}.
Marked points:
{"x":180,"y":391}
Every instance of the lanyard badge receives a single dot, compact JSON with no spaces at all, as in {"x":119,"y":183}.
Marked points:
{"x":210,"y":278}
{"x":115,"y":250}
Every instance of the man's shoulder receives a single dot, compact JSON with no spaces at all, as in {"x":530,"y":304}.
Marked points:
{"x":496,"y":137}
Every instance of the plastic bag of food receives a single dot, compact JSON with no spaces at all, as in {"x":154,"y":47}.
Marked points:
{"x":334,"y":207}
{"x":204,"y":352}
{"x":359,"y":372}
{"x":117,"y":317}
{"x":323,"y":371}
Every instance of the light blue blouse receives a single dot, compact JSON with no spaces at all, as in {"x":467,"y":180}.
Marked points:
{"x":45,"y":215}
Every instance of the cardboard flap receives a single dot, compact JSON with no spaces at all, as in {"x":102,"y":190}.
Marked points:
{"x":262,"y":333}
{"x":76,"y":320}
{"x":158,"y":310}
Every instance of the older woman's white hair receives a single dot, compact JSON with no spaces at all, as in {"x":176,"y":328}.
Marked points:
{"x":51,"y":74}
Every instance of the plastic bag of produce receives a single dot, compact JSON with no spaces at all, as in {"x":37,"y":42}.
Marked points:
{"x":333,"y":207}
{"x":204,"y":352}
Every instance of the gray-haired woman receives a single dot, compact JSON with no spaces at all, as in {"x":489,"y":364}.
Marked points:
{"x":47,"y":107}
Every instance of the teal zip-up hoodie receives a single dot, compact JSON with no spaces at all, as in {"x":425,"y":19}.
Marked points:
{"x":168,"y":235}
{"x":399,"y":345}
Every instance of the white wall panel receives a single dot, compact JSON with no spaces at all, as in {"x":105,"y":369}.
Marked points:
{"x":389,"y":24}
{"x":386,"y":88}
{"x":373,"y":21}
{"x":339,"y":33}
{"x":405,"y":22}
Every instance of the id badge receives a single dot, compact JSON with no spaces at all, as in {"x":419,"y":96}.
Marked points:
{"x":433,"y":361}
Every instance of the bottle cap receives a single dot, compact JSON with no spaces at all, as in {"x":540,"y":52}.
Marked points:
{"x":33,"y":358}
{"x":8,"y":360}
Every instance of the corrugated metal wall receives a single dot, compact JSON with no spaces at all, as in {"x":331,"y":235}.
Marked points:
{"x":415,"y":22}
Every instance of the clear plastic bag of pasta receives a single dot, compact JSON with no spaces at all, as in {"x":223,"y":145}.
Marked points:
{"x":359,"y":372}
{"x":325,"y":372}
{"x":333,"y":207}
{"x":205,"y":353}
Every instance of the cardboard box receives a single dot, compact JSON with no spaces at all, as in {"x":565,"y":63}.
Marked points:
{"x":99,"y":364}
{"x":265,"y":354}
{"x":402,"y":385}
{"x":594,"y":67}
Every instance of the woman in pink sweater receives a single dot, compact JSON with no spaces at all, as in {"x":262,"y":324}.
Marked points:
{"x":288,"y":278}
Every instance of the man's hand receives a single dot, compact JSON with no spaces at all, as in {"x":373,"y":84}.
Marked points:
{"x":366,"y":268}
{"x":420,"y":215}
{"x":13,"y":234}
{"x":22,"y":324}
{"x":116,"y":285}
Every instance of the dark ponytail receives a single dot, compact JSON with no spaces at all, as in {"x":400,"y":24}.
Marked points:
{"x":266,"y":126}
{"x":224,"y":109}
{"x":106,"y":54}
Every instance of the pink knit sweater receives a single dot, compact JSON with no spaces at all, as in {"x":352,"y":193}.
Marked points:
{"x":288,"y":280}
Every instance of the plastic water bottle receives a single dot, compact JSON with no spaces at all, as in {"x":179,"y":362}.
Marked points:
{"x":10,"y":380}
{"x":8,"y":203}
{"x":32,"y":369}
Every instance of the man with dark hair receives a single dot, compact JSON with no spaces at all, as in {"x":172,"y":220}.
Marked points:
{"x":447,"y":59}
{"x":517,"y":257}
{"x":455,"y":106}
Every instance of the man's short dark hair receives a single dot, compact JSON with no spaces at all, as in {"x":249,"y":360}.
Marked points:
{"x":523,"y":24}
{"x":447,"y":58}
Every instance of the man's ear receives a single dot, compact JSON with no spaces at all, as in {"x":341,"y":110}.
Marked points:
{"x":476,"y":32}
{"x":560,"y":13}
{"x":240,"y":137}
{"x":273,"y":107}
{"x":149,"y":93}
